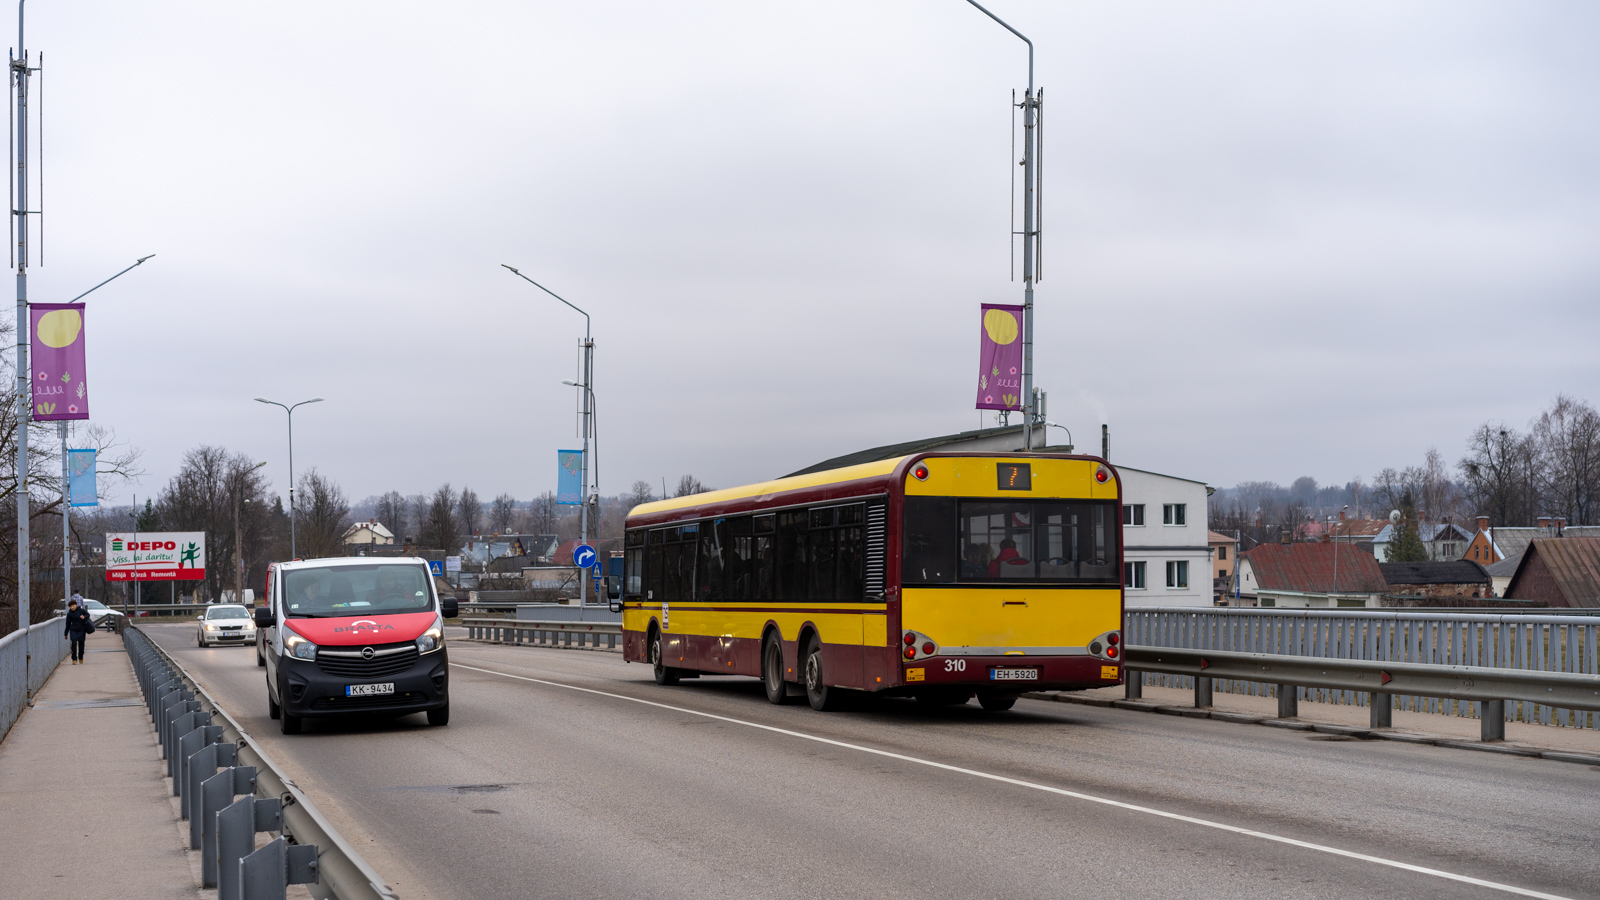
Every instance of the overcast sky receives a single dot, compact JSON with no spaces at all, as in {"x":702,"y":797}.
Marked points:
{"x":1280,"y":239}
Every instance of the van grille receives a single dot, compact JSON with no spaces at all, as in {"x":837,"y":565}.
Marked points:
{"x":389,"y":659}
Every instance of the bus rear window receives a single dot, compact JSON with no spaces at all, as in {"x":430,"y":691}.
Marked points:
{"x":1030,"y":541}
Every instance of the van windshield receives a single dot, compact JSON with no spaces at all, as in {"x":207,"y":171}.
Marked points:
{"x":356,"y":590}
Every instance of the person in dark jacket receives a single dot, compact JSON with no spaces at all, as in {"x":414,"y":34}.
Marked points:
{"x":79,"y":628}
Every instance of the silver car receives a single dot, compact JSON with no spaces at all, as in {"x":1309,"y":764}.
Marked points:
{"x":225,"y":623}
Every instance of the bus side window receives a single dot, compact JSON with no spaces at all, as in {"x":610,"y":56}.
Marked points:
{"x":928,"y":549}
{"x":738,"y":551}
{"x":792,"y":556}
{"x":655,"y":569}
{"x":709,"y":562}
{"x":763,"y":561}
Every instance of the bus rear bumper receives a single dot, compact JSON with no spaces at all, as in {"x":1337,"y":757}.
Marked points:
{"x":1012,"y":673}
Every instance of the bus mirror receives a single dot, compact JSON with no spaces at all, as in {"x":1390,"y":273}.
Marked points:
{"x":616,"y":604}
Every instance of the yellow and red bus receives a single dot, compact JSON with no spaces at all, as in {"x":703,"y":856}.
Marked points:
{"x":938,"y":575}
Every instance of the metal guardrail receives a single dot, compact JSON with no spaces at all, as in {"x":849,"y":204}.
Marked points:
{"x":1527,"y":645}
{"x":25,"y":663}
{"x":308,"y":851}
{"x":547,"y":634}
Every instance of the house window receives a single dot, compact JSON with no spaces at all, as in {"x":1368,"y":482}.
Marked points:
{"x":1133,"y":514}
{"x":1222,"y":552}
{"x":1133,"y":575}
{"x":1173,"y":513}
{"x":1222,"y":573}
{"x":1178,"y":573}
{"x":1268,"y":601}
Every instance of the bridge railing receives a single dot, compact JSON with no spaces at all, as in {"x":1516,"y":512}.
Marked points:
{"x":25,"y":662}
{"x":1522,"y":642}
{"x":577,"y":635}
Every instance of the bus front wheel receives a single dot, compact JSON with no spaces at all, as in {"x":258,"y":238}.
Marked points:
{"x":665,"y":674}
{"x":822,"y":697}
{"x":772,"y":672}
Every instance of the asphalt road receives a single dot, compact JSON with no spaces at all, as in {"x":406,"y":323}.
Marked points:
{"x":538,"y":789}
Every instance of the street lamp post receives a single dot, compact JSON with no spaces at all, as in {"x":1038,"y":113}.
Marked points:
{"x":61,"y":429}
{"x":591,"y":488}
{"x":238,"y":546}
{"x":1032,"y":227}
{"x":293,"y":550}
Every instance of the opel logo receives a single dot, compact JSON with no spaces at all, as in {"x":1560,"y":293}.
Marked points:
{"x":366,"y":653}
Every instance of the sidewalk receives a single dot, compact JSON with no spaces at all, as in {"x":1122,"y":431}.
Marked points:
{"x":1519,"y":735}
{"x":85,"y":808}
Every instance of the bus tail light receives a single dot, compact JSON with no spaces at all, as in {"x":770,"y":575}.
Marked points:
{"x":1113,"y":639}
{"x":920,"y":472}
{"x":1111,"y":652}
{"x":1107,"y":646}
{"x":1102,"y":475}
{"x":911,"y":653}
{"x":918,"y":645}
{"x":910,"y":638}
{"x":928,"y":648}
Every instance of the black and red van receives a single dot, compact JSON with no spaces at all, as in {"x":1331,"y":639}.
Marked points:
{"x":354,"y":636}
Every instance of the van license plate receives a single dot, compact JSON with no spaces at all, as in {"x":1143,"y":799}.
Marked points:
{"x":1014,"y":674}
{"x":367,"y":690}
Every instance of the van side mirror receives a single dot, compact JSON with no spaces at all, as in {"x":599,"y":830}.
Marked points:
{"x":449,"y":607}
{"x":264,"y":617}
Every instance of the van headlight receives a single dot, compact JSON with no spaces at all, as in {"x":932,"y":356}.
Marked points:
{"x":298,"y":647}
{"x":433,"y":638}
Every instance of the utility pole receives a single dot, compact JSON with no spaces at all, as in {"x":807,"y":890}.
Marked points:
{"x":587,"y":474}
{"x":1032,"y":227}
{"x":19,"y":81}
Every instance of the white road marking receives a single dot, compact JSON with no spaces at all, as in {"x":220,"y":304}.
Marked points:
{"x":1104,"y":801}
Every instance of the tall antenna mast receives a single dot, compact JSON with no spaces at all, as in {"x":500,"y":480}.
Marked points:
{"x":19,"y":82}
{"x":1032,"y":228}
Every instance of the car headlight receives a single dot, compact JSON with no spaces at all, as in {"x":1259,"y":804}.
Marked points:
{"x":433,"y":638}
{"x":211,"y":628}
{"x":298,"y":647}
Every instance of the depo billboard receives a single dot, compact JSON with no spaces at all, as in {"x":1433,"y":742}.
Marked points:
{"x":156,"y":556}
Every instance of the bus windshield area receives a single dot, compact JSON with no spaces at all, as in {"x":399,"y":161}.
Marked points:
{"x":1039,"y":541}
{"x":356,"y":590}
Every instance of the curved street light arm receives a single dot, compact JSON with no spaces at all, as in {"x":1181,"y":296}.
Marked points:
{"x":102,"y":284}
{"x":541,"y":287}
{"x":1013,"y":31}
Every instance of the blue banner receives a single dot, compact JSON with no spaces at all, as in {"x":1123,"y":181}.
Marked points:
{"x":80,"y":478}
{"x":569,"y":477}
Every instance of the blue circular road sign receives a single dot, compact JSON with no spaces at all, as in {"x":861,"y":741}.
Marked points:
{"x":584,"y":556}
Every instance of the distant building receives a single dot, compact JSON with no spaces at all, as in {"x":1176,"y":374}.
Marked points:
{"x":1318,"y":575}
{"x":1444,"y":580}
{"x":1500,"y":573}
{"x":1558,"y":572}
{"x":368,"y":534}
{"x":1442,"y":541}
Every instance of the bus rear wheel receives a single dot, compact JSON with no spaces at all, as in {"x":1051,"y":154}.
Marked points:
{"x":996,"y":701}
{"x":821,"y":697}
{"x":665,"y":674}
{"x":772,"y":671}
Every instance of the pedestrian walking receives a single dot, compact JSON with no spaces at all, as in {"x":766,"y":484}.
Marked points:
{"x":79,"y":627}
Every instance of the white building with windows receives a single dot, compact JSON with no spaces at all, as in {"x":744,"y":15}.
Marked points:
{"x":1166,"y":554}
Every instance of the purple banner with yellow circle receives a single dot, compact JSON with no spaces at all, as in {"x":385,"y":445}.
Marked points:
{"x":60,"y":390}
{"x":1000,"y":357}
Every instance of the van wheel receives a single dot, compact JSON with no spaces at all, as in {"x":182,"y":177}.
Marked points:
{"x":289,"y":724}
{"x":440,"y":716}
{"x":821,"y":697}
{"x":996,"y":701}
{"x":772,"y":672}
{"x":273,"y":709}
{"x":665,"y":674}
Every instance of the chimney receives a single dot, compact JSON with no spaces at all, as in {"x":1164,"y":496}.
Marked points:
{"x":1544,"y":521}
{"x":1483,"y":523}
{"x":1286,"y":536}
{"x":1105,"y":442}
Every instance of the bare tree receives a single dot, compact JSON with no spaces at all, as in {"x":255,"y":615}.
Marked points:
{"x":469,"y":510}
{"x":441,"y":530}
{"x":689,"y":484}
{"x":544,"y":514}
{"x":503,"y":513}
{"x":640,"y":494}
{"x":393,"y":512}
{"x":1568,"y":435}
{"x":1499,"y":475}
{"x":322,"y":516}
{"x":202,"y":497}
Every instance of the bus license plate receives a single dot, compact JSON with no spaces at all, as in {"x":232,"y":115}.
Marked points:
{"x":367,"y":690}
{"x":1014,"y":674}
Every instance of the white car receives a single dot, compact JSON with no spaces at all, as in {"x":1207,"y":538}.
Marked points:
{"x":100,"y":614}
{"x":225,"y":623}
